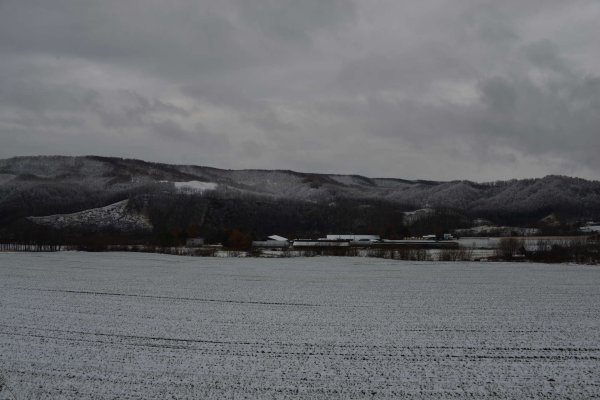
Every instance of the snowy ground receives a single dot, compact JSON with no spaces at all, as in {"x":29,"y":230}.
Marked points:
{"x":195,"y":186}
{"x":146,"y":326}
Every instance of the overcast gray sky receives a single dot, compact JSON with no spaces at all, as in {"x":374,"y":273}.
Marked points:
{"x":431,"y":89}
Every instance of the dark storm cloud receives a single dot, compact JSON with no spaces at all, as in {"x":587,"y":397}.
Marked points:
{"x":433,"y":89}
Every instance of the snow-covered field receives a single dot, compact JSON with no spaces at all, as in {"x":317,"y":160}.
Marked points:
{"x":196,"y":186}
{"x":146,"y":326}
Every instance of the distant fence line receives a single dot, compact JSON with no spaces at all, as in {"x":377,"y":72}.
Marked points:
{"x":30,"y":247}
{"x":509,"y":249}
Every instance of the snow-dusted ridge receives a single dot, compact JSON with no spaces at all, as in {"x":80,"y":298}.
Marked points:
{"x":115,"y":174}
{"x":116,"y":216}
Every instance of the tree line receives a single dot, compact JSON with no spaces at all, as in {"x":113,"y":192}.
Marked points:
{"x":234,"y":218}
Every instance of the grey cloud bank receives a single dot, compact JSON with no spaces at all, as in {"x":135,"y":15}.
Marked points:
{"x":436,"y":90}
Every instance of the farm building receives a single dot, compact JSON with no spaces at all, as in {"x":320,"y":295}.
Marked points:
{"x":308,"y":243}
{"x":277,"y":238}
{"x":270,"y":244}
{"x":354,"y":238}
{"x":273,"y":242}
{"x":417,"y":244}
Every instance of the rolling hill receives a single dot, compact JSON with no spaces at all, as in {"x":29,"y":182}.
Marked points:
{"x":41,"y":186}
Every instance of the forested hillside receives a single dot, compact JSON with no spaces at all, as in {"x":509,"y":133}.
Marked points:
{"x":168,"y":203}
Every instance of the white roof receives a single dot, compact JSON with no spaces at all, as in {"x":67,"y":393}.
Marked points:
{"x":352,"y":237}
{"x":278,"y":238}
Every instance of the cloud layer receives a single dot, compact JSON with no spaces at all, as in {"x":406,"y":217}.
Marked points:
{"x":469,"y":89}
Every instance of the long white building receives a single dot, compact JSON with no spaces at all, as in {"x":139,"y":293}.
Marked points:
{"x":354,"y":238}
